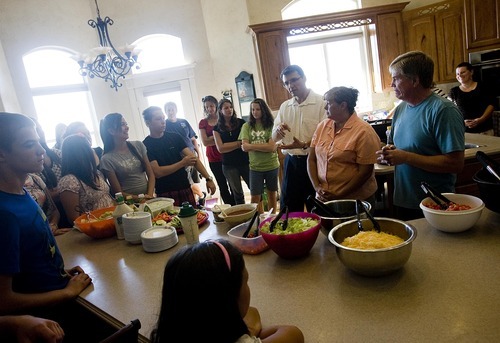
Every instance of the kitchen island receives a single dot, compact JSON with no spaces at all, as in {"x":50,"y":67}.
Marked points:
{"x":447,"y":291}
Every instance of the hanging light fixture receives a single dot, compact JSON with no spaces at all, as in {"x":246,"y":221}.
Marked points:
{"x":105,"y":61}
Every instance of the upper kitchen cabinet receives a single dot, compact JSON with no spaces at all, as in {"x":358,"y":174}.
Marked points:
{"x":482,"y":18}
{"x":390,"y":41}
{"x":438,"y":30}
{"x":272,"y":45}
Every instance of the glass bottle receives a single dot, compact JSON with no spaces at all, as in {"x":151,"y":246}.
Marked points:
{"x":121,"y":209}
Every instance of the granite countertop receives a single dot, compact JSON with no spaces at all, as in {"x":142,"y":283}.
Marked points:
{"x":447,"y":291}
{"x":487,"y":144}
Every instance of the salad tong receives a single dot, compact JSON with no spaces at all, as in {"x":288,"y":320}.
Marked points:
{"x":284,"y":225}
{"x":442,"y":201}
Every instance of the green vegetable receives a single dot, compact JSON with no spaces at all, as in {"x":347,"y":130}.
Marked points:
{"x":295,"y":225}
{"x":176,"y":222}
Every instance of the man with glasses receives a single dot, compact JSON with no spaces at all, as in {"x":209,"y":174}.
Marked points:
{"x":294,"y":127}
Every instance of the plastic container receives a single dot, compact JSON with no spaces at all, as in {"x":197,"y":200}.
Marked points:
{"x":121,"y":209}
{"x":189,"y":221}
{"x":251,"y":246}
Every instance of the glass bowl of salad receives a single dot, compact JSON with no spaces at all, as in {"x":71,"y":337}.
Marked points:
{"x":458,"y":217}
{"x":298,"y":238}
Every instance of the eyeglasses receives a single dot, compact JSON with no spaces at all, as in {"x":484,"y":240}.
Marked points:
{"x":289,"y":82}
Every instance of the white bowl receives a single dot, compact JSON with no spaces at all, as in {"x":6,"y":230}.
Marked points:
{"x":454,"y":221}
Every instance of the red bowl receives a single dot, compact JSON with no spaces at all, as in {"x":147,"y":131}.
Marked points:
{"x":293,"y":245}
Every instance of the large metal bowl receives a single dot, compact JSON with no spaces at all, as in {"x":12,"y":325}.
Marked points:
{"x":346,"y":209}
{"x":379,"y":261}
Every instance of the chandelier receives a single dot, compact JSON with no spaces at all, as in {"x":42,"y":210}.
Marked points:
{"x":105,"y":61}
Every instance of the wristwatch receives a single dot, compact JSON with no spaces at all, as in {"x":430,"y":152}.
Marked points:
{"x":209,"y":178}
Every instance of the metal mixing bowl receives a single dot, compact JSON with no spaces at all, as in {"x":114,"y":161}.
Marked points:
{"x":346,"y":209}
{"x":374,"y":262}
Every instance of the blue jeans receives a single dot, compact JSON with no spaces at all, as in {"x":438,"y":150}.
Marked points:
{"x":234,"y":174}
{"x":226,"y":195}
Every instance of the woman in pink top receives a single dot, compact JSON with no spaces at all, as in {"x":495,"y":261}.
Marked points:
{"x":206,"y":127}
{"x":341,"y":160}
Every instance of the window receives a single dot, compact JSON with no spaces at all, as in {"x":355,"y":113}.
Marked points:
{"x":60,"y":94}
{"x":325,"y":67}
{"x":336,"y":57}
{"x":159,"y":52}
{"x":304,"y":8}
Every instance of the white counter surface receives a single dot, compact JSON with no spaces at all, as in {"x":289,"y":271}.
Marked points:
{"x":447,"y":292}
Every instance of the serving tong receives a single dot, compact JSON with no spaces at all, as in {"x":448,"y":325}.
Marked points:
{"x":442,"y":201}
{"x":255,"y":216}
{"x":282,"y":211}
{"x":489,"y":164}
{"x":359,"y":208}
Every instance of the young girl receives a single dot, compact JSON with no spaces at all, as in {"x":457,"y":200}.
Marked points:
{"x":82,"y":187}
{"x":206,"y":127}
{"x":264,"y":164}
{"x":187,"y":315}
{"x":234,"y":160}
{"x":125,"y":164}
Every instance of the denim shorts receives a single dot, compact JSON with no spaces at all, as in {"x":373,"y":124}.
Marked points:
{"x":257,"y":180}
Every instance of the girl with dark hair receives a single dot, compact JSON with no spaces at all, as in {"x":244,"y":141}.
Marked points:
{"x":80,"y":127}
{"x":206,"y":127}
{"x":125,"y":164}
{"x":234,"y":160}
{"x":256,"y":137}
{"x":220,"y":268}
{"x":82,"y":187}
{"x":51,"y":172}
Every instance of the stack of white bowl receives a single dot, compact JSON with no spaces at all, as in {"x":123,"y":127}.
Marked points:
{"x":134,"y":223}
{"x":159,"y":238}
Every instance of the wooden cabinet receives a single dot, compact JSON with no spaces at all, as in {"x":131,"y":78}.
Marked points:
{"x":438,"y":30}
{"x":482,"y":19}
{"x":391,"y":43}
{"x":272,"y":50}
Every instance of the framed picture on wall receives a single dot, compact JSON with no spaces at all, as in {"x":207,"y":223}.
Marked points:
{"x":246,"y":92}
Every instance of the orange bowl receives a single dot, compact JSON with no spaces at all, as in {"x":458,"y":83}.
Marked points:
{"x":98,"y":228}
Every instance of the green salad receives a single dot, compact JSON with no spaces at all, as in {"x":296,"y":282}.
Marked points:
{"x":295,"y":225}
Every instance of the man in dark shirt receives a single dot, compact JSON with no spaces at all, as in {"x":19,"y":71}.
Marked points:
{"x":169,"y":156}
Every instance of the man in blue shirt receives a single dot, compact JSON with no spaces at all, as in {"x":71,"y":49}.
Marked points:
{"x":427,"y":132}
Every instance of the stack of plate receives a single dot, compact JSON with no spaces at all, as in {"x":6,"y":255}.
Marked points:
{"x":159,"y":238}
{"x":134,"y":223}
